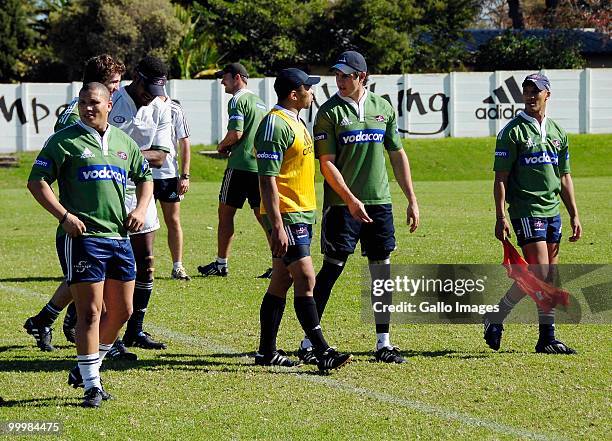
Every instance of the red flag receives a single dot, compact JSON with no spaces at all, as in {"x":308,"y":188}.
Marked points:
{"x":545,"y":295}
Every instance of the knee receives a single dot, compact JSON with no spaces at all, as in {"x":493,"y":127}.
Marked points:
{"x":145,"y":268}
{"x":89,"y":317}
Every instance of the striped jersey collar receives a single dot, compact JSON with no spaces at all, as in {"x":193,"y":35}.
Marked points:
{"x":288,"y":112}
{"x":359,"y":106}
{"x":541,"y":127}
{"x":102,"y":140}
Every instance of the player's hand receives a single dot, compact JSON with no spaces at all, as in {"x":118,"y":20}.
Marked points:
{"x":502,"y":229}
{"x":224,"y":150}
{"x":135,"y":221}
{"x":182,"y":186}
{"x":278,"y":242}
{"x":73,"y":226}
{"x":576,"y":229}
{"x":413,"y":216}
{"x":358,"y":211}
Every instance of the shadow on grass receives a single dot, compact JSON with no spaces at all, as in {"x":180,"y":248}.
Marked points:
{"x":32,"y":279}
{"x":38,"y":402}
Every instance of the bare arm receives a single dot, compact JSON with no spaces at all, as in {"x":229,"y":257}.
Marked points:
{"x":502,"y":227}
{"x":569,"y":200}
{"x":270,"y":200}
{"x":185,"y":156}
{"x":231,"y":138}
{"x":334,"y":179}
{"x":401,"y":171}
{"x":43,"y":194}
{"x":155,"y":158}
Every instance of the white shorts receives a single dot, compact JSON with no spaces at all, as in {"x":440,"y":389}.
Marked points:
{"x":151,"y":222}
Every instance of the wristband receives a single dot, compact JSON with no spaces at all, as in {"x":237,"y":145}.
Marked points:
{"x":501,"y":217}
{"x":64,"y":217}
{"x":185,"y":176}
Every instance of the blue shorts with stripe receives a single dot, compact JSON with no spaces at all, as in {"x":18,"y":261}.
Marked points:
{"x":537,"y":229}
{"x":299,"y":236}
{"x":94,"y":259}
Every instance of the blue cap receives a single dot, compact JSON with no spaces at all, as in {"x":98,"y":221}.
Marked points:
{"x":294,"y":78}
{"x":540,"y":80}
{"x":349,"y":62}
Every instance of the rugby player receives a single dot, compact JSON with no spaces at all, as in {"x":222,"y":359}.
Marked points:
{"x":351,"y":133}
{"x":532,"y":169}
{"x":285,"y":161}
{"x":170,"y":186}
{"x":139,"y":112}
{"x":245,"y":112}
{"x":92,"y":161}
{"x":102,"y":69}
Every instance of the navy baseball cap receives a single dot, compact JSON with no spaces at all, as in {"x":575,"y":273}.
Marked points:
{"x":349,"y":62}
{"x":540,"y":80}
{"x":154,"y":85}
{"x":234,"y":69}
{"x":293,"y":78}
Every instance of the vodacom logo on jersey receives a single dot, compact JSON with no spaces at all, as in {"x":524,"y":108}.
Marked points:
{"x":102,"y":173}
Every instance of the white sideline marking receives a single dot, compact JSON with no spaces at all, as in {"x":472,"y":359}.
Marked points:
{"x":440,"y":412}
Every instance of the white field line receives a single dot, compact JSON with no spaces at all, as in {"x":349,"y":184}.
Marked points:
{"x":428,"y":409}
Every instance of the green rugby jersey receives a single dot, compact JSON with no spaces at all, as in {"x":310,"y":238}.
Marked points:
{"x":92,"y":172}
{"x":536,"y":157}
{"x":358,"y":136}
{"x":69,"y":115}
{"x":245,"y":110}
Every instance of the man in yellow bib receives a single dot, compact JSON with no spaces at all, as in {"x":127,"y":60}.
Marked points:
{"x":285,"y":162}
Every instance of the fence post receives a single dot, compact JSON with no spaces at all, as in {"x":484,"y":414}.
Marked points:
{"x":24,"y":143}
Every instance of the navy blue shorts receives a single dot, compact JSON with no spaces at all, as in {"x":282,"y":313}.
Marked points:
{"x":94,"y":259}
{"x":537,"y":229}
{"x":300,"y":236}
{"x":340,"y":232}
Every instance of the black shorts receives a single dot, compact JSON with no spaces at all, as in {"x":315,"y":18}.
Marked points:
{"x":537,"y":229}
{"x":340,"y":232}
{"x":166,"y":190}
{"x":299,"y":236}
{"x":238,"y":186}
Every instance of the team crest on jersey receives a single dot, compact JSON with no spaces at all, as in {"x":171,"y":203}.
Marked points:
{"x":87,"y":154}
{"x":380,"y":118}
{"x":118,"y":119}
{"x":556,"y":142}
{"x":538,"y":225}
{"x":122,"y":155}
{"x":345,"y":122}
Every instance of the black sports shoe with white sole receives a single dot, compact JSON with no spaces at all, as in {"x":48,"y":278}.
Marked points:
{"x":213,"y":269}
{"x":143,"y":340}
{"x":307,"y":355}
{"x":493,"y":334}
{"x":119,"y":352}
{"x":553,"y":347}
{"x":332,"y":359}
{"x":389,"y":354}
{"x":42,"y":334}
{"x":277,"y":358}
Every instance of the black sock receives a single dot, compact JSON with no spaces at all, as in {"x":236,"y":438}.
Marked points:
{"x":142,"y":295}
{"x":325,"y":281}
{"x":48,"y":314}
{"x":306,"y":311}
{"x":270,"y":316}
{"x":382,"y":328}
{"x":547,"y":324}
{"x":71,"y":316}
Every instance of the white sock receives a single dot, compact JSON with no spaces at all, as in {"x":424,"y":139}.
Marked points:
{"x":89,"y":366}
{"x":177,"y":265}
{"x":221,"y":261}
{"x":306,"y":343}
{"x":103,"y":350}
{"x":382,"y":340}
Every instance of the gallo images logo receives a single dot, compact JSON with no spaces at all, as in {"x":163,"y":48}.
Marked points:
{"x":502,"y":102}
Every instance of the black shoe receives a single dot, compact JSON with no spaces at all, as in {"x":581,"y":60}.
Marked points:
{"x":213,"y":269}
{"x":75,"y":380}
{"x":266,"y":275}
{"x":119,"y":352}
{"x":277,"y":358}
{"x":93,"y":397}
{"x":70,"y":323}
{"x":493,"y":334}
{"x":42,"y":334}
{"x":144,"y":341}
{"x":332,"y":359}
{"x":70,"y":334}
{"x":388,"y":354}
{"x":553,"y":347}
{"x":307,"y":355}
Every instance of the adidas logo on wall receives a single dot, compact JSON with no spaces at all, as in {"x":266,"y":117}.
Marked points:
{"x":503,"y":101}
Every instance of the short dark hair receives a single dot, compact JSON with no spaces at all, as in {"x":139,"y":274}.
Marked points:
{"x":101,"y":68}
{"x":282,"y":89}
{"x":95,"y":86}
{"x":152,"y":67}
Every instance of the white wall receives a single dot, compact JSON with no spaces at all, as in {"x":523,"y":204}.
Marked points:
{"x":428,"y":105}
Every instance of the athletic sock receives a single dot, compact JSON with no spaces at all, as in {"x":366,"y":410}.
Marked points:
{"x":103,"y":350}
{"x":306,"y":311}
{"x":177,"y":265}
{"x":505,"y":305}
{"x":71,"y":316}
{"x":546,"y":324}
{"x":89,"y":366}
{"x":48,"y":314}
{"x":270,"y":316}
{"x":306,"y":343}
{"x":221,"y":262}
{"x":329,"y":273}
{"x":381,"y":270}
{"x":382,"y":340}
{"x":142,"y":295}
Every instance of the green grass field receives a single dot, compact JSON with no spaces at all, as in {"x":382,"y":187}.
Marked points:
{"x":205,"y":386}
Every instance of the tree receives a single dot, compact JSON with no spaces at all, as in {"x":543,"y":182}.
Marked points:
{"x":16,"y":36}
{"x":126,"y":29}
{"x":515,"y":11}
